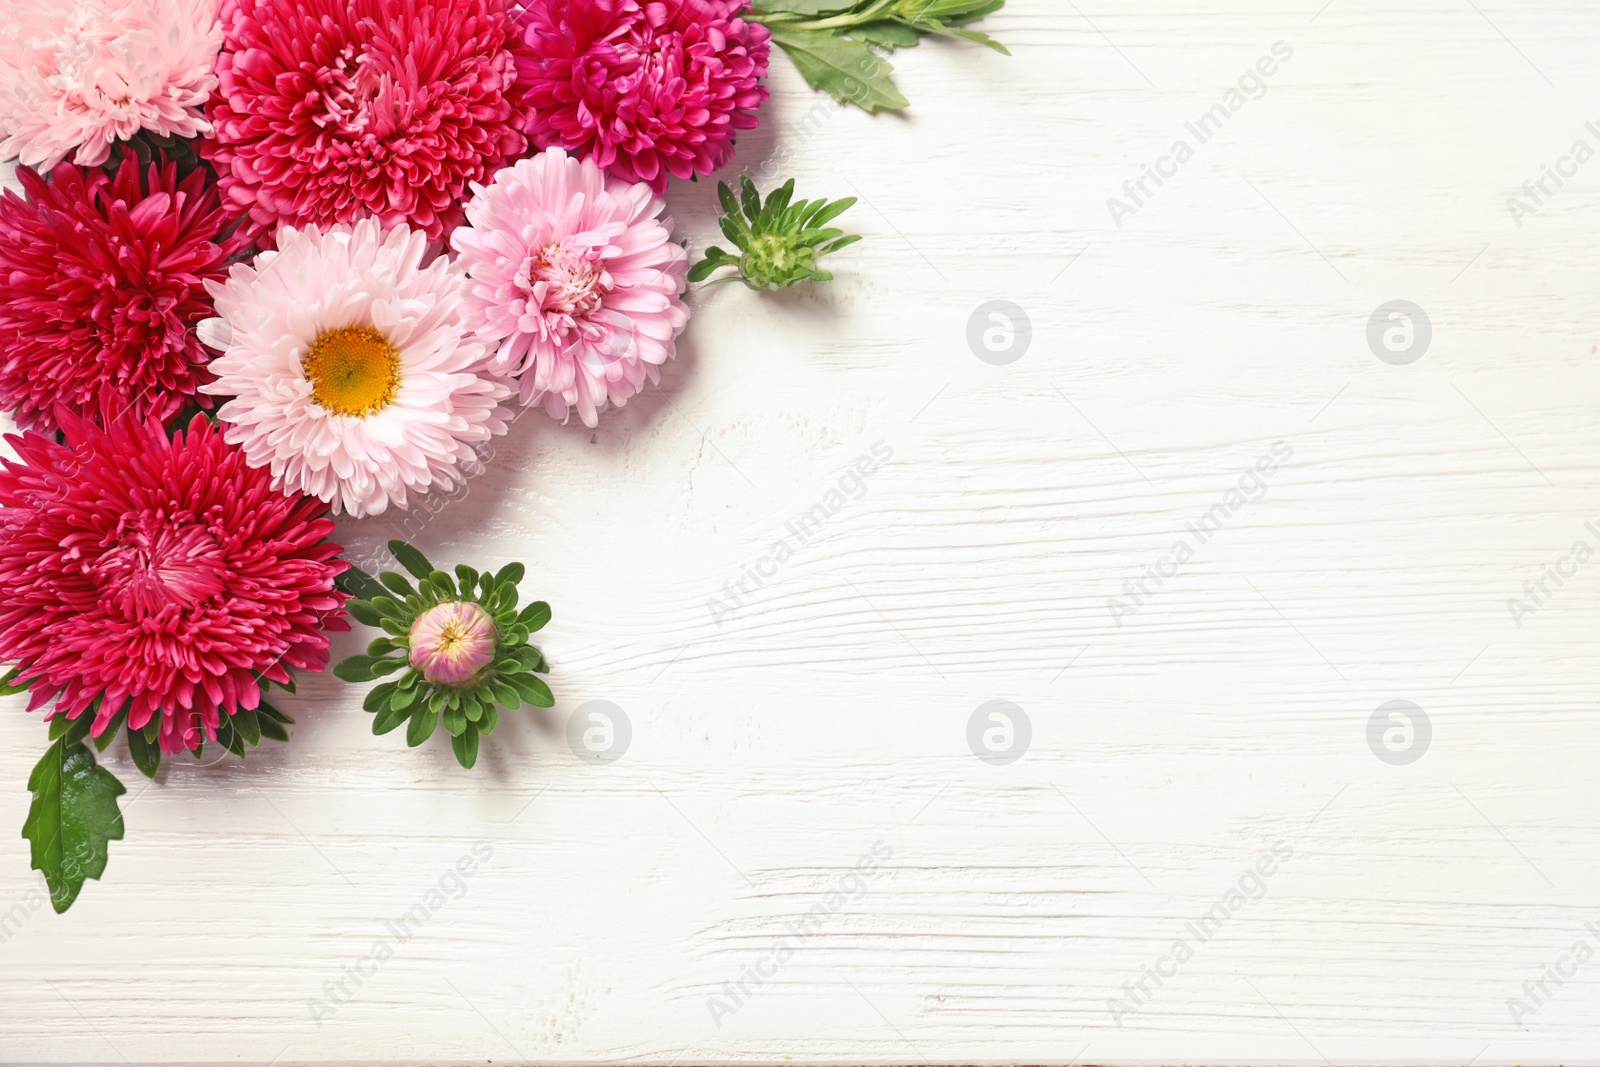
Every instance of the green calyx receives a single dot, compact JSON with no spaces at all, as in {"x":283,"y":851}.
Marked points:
{"x":779,"y":240}
{"x":468,"y":711}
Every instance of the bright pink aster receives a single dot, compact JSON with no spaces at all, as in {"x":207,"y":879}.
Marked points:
{"x":575,"y":283}
{"x":647,"y":89}
{"x":164,"y":576}
{"x":102,"y":280}
{"x":331,"y":110}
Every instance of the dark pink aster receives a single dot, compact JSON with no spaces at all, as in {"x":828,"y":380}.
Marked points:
{"x":102,"y":280}
{"x":331,"y":110}
{"x":648,"y":89}
{"x":162,"y":575}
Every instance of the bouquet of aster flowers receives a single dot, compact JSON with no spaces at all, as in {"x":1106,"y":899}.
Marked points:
{"x":274,"y":262}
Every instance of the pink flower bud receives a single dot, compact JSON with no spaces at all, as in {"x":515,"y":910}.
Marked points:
{"x":453,"y":643}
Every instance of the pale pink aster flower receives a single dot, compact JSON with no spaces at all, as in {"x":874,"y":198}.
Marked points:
{"x":453,"y":643}
{"x":350,"y":373}
{"x":577,"y":280}
{"x":82,"y":74}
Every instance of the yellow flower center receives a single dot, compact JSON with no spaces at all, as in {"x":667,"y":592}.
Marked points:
{"x":353,"y":371}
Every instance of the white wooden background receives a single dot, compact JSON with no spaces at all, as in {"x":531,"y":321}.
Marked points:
{"x":829,"y":715}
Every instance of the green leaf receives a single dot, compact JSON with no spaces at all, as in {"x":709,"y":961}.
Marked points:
{"x":272,"y":728}
{"x":848,"y":70}
{"x":411,"y":559}
{"x":362,"y":611}
{"x":8,"y":686}
{"x":358,"y":583}
{"x":248,"y":724}
{"x":534,"y":616}
{"x":72,"y":818}
{"x":455,"y":721}
{"x":422,"y":726}
{"x":813,"y":8}
{"x":74,"y":730}
{"x":890,"y":35}
{"x":511,"y":572}
{"x":379,"y":696}
{"x":109,"y":734}
{"x":396,"y":584}
{"x":465,"y":745}
{"x":229,"y":738}
{"x":533,"y":690}
{"x":146,"y":755}
{"x":366,"y":668}
{"x":390,"y":718}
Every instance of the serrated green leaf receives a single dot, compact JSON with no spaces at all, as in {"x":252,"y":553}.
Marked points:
{"x":411,"y":559}
{"x":848,"y":70}
{"x":72,"y":819}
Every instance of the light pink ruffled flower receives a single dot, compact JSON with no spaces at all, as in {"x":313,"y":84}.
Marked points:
{"x":576,"y":279}
{"x":81,"y":74}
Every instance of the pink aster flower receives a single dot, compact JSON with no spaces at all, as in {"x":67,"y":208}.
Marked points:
{"x":102,"y":280}
{"x":575,"y":278}
{"x":162,"y":576}
{"x":453,"y":643}
{"x":81,"y":74}
{"x":646,"y":89}
{"x":331,"y":110}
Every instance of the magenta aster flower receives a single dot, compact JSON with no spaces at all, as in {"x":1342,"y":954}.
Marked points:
{"x":81,"y":74}
{"x":102,"y":280}
{"x":646,"y":90}
{"x":575,"y":278}
{"x":163,"y":576}
{"x":330,"y":110}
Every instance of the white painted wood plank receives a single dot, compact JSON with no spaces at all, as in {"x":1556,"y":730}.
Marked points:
{"x":775,"y":746}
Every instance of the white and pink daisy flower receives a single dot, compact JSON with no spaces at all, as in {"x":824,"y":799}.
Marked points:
{"x":82,"y":74}
{"x":351,"y":375}
{"x":575,"y":283}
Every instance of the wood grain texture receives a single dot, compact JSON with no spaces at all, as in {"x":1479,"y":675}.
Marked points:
{"x":776,"y":745}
